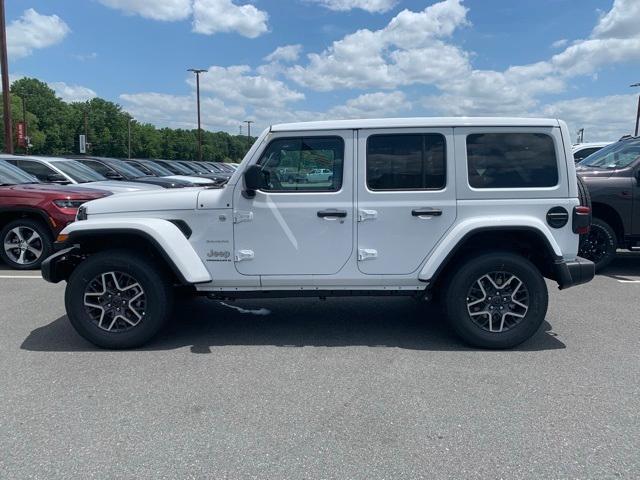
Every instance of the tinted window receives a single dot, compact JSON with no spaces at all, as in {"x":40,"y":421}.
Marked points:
{"x":101,"y":168}
{"x":511,"y":160}
{"x":11,"y":175}
{"x":308,"y":164}
{"x":37,"y":169}
{"x":584,"y":153}
{"x":406,"y":162}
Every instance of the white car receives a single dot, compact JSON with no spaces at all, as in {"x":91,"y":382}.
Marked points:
{"x":318,"y":175}
{"x":474,"y":211}
{"x":583,"y":150}
{"x":70,"y":172}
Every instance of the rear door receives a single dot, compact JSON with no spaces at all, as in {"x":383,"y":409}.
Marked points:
{"x":406,"y":197}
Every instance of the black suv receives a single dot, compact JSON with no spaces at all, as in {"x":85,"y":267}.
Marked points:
{"x":612,"y":176}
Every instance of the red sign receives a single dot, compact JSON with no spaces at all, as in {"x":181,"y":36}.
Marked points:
{"x":22,"y":140}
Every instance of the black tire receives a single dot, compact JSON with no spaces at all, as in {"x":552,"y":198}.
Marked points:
{"x":44,"y":243}
{"x":157,"y":291}
{"x":458,"y":293}
{"x":600,"y":244}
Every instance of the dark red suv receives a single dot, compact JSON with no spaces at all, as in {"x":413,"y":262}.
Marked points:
{"x":32,"y":214}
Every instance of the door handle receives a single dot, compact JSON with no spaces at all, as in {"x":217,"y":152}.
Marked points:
{"x":332,"y":214}
{"x":426,"y":212}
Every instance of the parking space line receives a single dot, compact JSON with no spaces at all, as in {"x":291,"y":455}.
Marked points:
{"x":629,"y":281}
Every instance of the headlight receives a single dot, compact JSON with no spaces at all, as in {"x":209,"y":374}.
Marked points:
{"x":69,"y":203}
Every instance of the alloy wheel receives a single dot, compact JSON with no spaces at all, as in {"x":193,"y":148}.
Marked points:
{"x":23,"y":245}
{"x":115,"y":301}
{"x":497,"y":301}
{"x":595,"y":245}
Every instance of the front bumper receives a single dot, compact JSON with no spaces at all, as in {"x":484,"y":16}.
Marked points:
{"x":574,"y":272}
{"x":59,"y":266}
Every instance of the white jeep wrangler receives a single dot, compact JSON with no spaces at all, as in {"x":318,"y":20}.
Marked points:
{"x":474,"y":211}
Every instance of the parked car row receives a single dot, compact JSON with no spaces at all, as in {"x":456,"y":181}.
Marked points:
{"x":39,"y":196}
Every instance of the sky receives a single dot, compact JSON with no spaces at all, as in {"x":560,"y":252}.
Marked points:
{"x":275,"y":61}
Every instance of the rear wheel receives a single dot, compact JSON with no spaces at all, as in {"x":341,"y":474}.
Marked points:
{"x":600,"y":244}
{"x":496,"y":300}
{"x":117,"y":300}
{"x":25,"y":244}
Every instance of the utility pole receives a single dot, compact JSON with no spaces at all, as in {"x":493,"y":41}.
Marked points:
{"x":26,"y":125}
{"x":580,"y":137}
{"x":249,"y":122}
{"x":6,"y":94}
{"x":197,"y":72}
{"x":86,"y":129}
{"x":637,"y":114}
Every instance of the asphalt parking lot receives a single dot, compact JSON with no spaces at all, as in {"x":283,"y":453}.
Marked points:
{"x":345,"y":388}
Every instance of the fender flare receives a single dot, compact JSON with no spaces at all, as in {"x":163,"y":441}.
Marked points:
{"x":164,"y":235}
{"x":456,"y":237}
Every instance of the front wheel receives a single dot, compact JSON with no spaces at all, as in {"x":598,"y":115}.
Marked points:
{"x":118,"y":300}
{"x":496,"y":300}
{"x":25,"y":244}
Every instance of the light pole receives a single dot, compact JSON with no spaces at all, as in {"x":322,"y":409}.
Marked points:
{"x":197,"y":72}
{"x":130,"y":120}
{"x":637,"y":114}
{"x":6,"y":94}
{"x":26,"y":125}
{"x":249,"y":122}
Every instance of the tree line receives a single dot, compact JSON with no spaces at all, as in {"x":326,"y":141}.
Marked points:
{"x":54,"y":127}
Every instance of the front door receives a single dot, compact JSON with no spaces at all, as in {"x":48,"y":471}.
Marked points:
{"x":406,"y":197}
{"x":298,"y":223}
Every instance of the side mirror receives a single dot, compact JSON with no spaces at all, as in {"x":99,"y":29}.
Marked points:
{"x":113,"y":175}
{"x":253,"y":180}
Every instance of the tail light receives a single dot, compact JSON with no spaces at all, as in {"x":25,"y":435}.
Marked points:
{"x":581,"y":219}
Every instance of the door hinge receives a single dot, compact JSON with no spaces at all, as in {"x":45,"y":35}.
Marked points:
{"x":367,"y":254}
{"x":364,"y":215}
{"x":240,"y":216}
{"x":242,"y":255}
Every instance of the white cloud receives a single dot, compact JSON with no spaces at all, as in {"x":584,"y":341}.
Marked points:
{"x":33,"y":31}
{"x":408,"y":50}
{"x":238,"y":84}
{"x":604,"y":118}
{"x":622,"y":21}
{"x":166,"y":10}
{"x":83,"y":57}
{"x":72,"y":93}
{"x":286,"y":53}
{"x":368,"y":5}
{"x":179,"y":111}
{"x":560,"y":43}
{"x":214,"y":16}
{"x":372,"y":105}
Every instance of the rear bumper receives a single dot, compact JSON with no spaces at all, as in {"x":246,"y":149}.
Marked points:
{"x":574,"y":272}
{"x":59,"y":266}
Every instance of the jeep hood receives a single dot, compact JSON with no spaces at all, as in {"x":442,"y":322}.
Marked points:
{"x":146,"y":201}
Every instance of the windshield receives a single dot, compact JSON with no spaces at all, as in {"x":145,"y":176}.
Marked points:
{"x":198,"y":168}
{"x":176,"y":168}
{"x":10,"y":175}
{"x":157,"y":169}
{"x":126,"y":169}
{"x":78,"y":172}
{"x":615,"y":156}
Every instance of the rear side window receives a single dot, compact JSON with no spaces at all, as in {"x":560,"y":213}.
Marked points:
{"x":511,"y":160}
{"x":406,"y":162}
